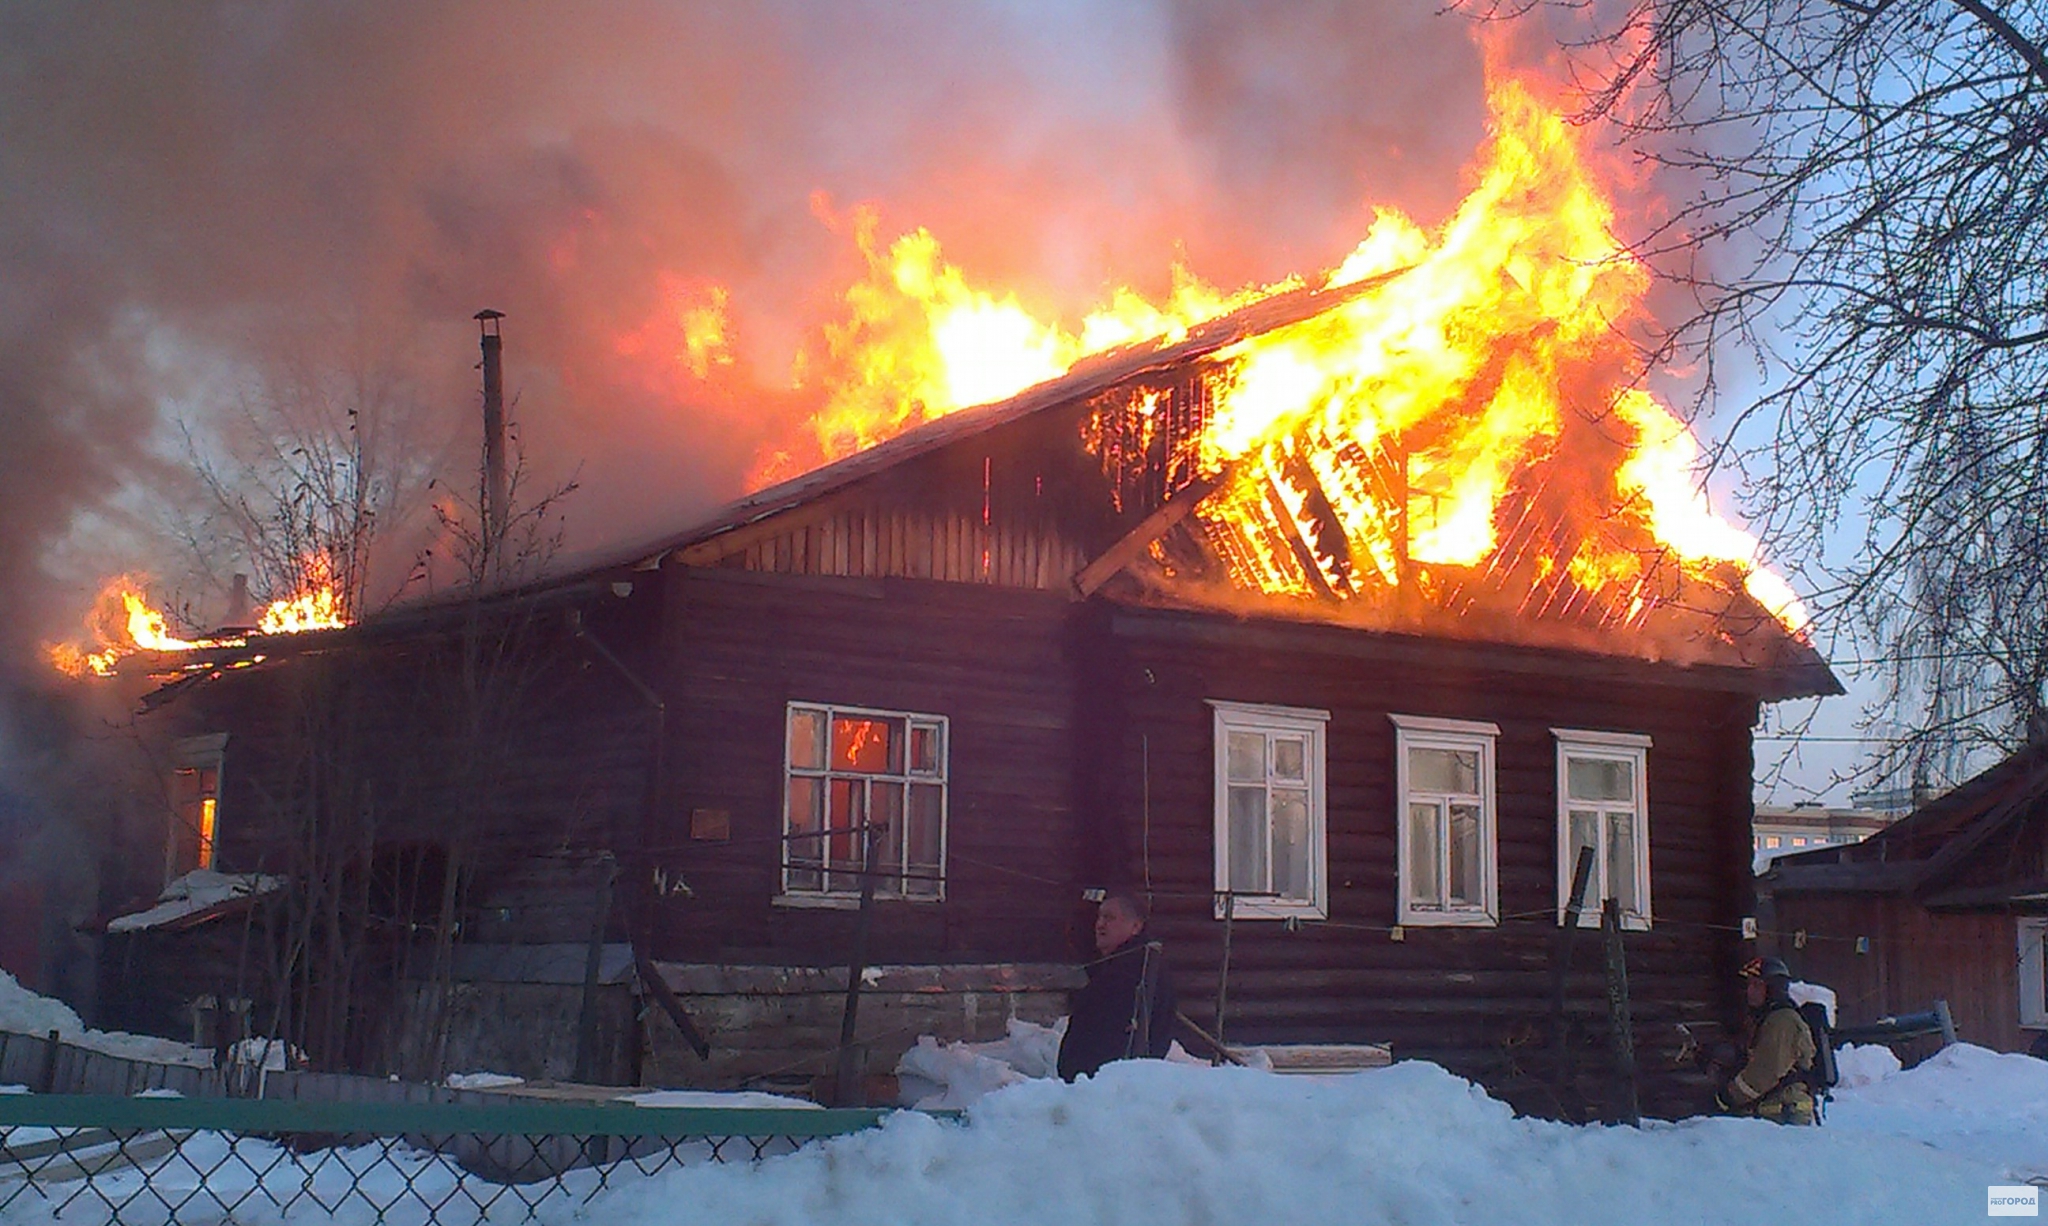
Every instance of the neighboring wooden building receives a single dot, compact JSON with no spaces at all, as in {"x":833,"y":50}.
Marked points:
{"x":1041,"y":652}
{"x":1950,"y":903}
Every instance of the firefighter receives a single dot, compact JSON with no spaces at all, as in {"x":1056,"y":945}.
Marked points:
{"x":1127,"y":1007}
{"x":1773,"y":1083}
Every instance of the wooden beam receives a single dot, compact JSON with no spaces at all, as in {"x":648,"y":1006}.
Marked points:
{"x":1149,"y":529}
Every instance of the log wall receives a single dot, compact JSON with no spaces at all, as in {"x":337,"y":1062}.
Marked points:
{"x":995,"y":662}
{"x":1911,"y":958}
{"x":1475,"y":1000}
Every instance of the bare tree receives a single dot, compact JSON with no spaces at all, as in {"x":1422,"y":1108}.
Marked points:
{"x":307,"y":478}
{"x":1860,"y":210}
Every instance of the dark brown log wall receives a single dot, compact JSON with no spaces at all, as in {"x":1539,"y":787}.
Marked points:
{"x":994,"y":661}
{"x":1912,"y":957}
{"x":1475,"y":1000}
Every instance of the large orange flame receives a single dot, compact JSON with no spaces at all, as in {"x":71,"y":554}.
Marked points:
{"x":124,"y":622}
{"x":1417,"y":416}
{"x":919,"y":341}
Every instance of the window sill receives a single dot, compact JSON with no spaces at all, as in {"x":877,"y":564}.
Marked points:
{"x":1449,"y":919}
{"x":1591,"y":919}
{"x":843,"y":902}
{"x":1275,"y":911}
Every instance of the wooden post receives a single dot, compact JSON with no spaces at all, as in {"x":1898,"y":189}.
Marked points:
{"x":1618,"y":1008}
{"x":848,"y":1091}
{"x":46,"y":1081}
{"x":1223,"y":973}
{"x":1560,"y":969}
{"x":593,"y":960}
{"x":1948,"y":1023}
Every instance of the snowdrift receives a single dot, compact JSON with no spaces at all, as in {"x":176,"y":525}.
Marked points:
{"x":1150,"y":1141}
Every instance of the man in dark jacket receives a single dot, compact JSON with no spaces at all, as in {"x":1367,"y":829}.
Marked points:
{"x":1127,"y":1007}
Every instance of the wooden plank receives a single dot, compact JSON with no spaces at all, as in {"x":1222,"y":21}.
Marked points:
{"x":1133,"y":543}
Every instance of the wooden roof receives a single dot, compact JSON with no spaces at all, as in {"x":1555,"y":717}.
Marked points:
{"x":1923,"y":855}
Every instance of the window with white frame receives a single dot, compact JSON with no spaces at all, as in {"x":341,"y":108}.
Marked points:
{"x":2033,"y":968}
{"x":851,"y":774}
{"x":1271,"y":859}
{"x":1603,"y":803}
{"x":1448,"y":870}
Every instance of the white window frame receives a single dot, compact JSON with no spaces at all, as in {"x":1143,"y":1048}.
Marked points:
{"x":1428,"y":732}
{"x":2033,"y":974}
{"x":1256,"y":717}
{"x":1630,"y":747}
{"x":832,"y":897}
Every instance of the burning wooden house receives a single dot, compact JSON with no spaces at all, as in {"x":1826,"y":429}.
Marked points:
{"x":1339,"y":624}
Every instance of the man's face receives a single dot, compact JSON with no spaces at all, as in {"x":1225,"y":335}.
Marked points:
{"x":1114,"y":924}
{"x":1753,"y":989}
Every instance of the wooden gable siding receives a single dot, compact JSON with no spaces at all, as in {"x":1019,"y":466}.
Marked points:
{"x":872,"y":543}
{"x":742,"y":646}
{"x":1023,"y":506}
{"x":1475,"y":999}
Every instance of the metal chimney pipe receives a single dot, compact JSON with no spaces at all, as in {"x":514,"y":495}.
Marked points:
{"x":495,"y":496}
{"x":239,"y":603}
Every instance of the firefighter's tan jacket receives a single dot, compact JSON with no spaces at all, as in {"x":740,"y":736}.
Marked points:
{"x":1783,"y":1043}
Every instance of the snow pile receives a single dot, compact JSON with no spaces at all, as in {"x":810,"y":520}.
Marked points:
{"x":483,"y":1081}
{"x":1813,"y":993}
{"x":1992,"y":1106}
{"x":195,"y":892}
{"x":718,"y":1098}
{"x":266,"y":1055}
{"x":936,"y":1075}
{"x":1859,"y":1065}
{"x":24,"y":1012}
{"x":1151,"y":1141}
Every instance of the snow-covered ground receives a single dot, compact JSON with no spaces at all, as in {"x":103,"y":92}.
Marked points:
{"x":1155,"y":1141}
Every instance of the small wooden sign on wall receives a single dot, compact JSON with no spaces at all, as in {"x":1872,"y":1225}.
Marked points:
{"x":711,"y":825}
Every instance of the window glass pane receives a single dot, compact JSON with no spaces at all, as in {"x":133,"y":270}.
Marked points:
{"x":1248,"y":838}
{"x":806,"y":738}
{"x":1465,"y":856}
{"x":1247,"y":753}
{"x":924,"y":821}
{"x":885,"y":809}
{"x":1600,"y":779}
{"x":806,"y":813}
{"x":1582,"y":829}
{"x":1290,"y":844}
{"x":874,"y":746}
{"x":927,"y":749}
{"x":1422,"y":855}
{"x":1444,"y":770}
{"x":845,"y":808}
{"x":1290,"y":758}
{"x":1621,"y":861}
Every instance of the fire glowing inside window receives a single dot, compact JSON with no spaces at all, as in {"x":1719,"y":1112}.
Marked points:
{"x":873,"y":777}
{"x":195,"y":798}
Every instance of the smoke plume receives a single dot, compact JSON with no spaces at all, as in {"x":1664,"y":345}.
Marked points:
{"x":201,"y":194}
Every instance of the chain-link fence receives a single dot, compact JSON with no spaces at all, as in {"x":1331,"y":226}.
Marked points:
{"x":158,"y":1161}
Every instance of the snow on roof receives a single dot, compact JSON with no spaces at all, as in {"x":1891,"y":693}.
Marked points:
{"x":197,"y":891}
{"x":26,"y":1012}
